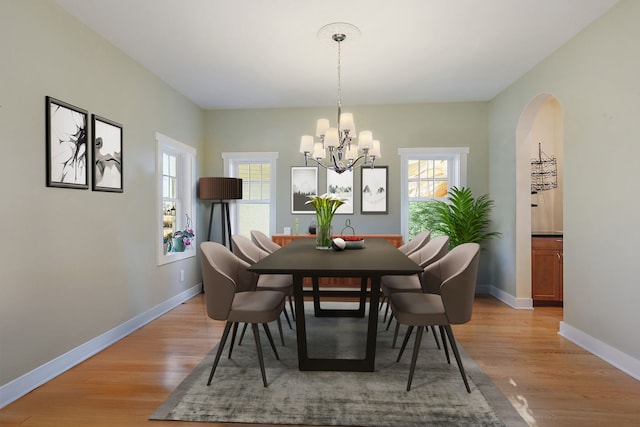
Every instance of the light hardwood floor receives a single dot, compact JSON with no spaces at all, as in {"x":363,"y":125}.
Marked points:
{"x":551,"y":381}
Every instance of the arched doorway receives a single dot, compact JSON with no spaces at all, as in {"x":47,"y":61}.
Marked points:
{"x":540,"y":126}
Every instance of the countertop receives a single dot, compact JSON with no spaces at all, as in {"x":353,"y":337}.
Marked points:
{"x":546,"y":234}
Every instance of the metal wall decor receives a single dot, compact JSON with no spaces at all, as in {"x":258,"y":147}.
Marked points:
{"x":544,"y":172}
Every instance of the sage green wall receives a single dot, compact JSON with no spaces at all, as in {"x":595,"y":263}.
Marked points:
{"x":414,"y":125}
{"x":595,"y":79}
{"x":77,"y":263}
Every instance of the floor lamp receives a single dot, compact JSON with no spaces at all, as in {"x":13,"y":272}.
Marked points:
{"x":219,"y":190}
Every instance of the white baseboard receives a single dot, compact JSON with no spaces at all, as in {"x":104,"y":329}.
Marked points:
{"x":22,"y":385}
{"x":604,"y":351}
{"x":510,"y":300}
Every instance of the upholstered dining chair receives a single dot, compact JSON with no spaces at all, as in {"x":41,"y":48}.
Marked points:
{"x":263,"y":241}
{"x":455,"y":276}
{"x":418,"y":241}
{"x":230,"y":295}
{"x":248,"y":251}
{"x":435,"y":249}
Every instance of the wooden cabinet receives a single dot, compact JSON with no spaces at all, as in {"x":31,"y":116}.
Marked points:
{"x":339,"y":282}
{"x":546,"y":269}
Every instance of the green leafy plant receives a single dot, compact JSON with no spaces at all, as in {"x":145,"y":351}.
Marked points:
{"x":464,"y":218}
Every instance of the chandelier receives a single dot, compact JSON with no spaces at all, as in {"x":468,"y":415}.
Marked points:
{"x":335,"y":147}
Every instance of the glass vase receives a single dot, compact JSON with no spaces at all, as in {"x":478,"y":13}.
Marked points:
{"x":323,"y":234}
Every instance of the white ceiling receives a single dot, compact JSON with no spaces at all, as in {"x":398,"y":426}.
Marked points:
{"x":265,"y":53}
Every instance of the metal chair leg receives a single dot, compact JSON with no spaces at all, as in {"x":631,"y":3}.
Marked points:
{"x":256,"y":336}
{"x":454,"y":347}
{"x":435,"y":336}
{"x":270,"y":337}
{"x":286,"y":316}
{"x":404,"y":342}
{"x":293,"y":311}
{"x":233,"y":338}
{"x":395,"y":335}
{"x":244,"y":329}
{"x":225,"y":334}
{"x":416,"y":350}
{"x":444,"y":344}
{"x":280,"y":330}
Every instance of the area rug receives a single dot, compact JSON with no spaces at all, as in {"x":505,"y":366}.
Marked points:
{"x":372,"y":399}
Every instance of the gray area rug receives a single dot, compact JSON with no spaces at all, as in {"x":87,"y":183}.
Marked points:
{"x":372,"y":399}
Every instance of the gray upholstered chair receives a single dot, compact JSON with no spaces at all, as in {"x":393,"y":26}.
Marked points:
{"x":248,"y":251}
{"x":230,"y":295}
{"x":418,"y":241}
{"x":263,"y":241}
{"x":455,"y":276}
{"x":435,"y":249}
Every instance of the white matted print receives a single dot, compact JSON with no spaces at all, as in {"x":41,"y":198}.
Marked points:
{"x":375,"y":185}
{"x":304,"y":183}
{"x":341,"y":185}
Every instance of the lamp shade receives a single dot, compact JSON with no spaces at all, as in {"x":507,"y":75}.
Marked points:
{"x":219,"y":188}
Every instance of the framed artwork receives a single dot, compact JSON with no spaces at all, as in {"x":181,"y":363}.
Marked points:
{"x":304,"y":182}
{"x":341,"y":185}
{"x":66,"y":140}
{"x":375,"y":185}
{"x":107,"y":155}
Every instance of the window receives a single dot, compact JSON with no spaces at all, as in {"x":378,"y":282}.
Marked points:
{"x":428,"y":174}
{"x":176,"y":199}
{"x":256,"y":210}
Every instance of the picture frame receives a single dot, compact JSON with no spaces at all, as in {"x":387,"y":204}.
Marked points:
{"x":304,"y":183}
{"x":107,"y":164}
{"x":67,"y":163}
{"x":341,"y":185}
{"x":374,"y":196}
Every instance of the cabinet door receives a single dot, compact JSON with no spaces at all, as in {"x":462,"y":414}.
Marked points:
{"x":546,"y":266}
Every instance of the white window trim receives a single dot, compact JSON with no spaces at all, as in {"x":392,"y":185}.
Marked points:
{"x":458,"y":176}
{"x":229,"y":159}
{"x":187,"y":156}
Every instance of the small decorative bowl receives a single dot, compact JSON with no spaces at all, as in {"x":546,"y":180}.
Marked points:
{"x":353,"y":242}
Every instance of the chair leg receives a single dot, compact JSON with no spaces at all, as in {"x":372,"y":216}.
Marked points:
{"x":286,"y":316}
{"x":454,"y":347}
{"x":444,"y":344}
{"x":293,"y":311}
{"x":244,"y":329}
{"x":395,"y":335}
{"x":390,"y":319}
{"x":404,"y":342}
{"x":225,"y":334}
{"x":416,"y":350}
{"x":435,"y":336}
{"x":233,"y":338}
{"x":256,"y":337}
{"x":270,"y":337}
{"x":280,"y":330}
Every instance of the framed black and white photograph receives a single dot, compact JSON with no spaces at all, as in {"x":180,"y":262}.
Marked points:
{"x":375,"y":195}
{"x":341,"y":185}
{"x":304,"y":183}
{"x":66,"y":139}
{"x":107,"y":155}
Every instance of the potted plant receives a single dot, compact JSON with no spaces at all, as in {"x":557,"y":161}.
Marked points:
{"x":463,"y":218}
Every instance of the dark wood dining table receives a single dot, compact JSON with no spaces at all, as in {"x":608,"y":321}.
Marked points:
{"x":301,"y":259}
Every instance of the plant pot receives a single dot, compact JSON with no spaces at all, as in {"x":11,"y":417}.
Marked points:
{"x":178,"y":245}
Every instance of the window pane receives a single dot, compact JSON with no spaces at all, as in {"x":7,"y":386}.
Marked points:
{"x":441,"y":167}
{"x":173,"y":168}
{"x":413,"y":189}
{"x":413,"y":169}
{"x":253,"y":216}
